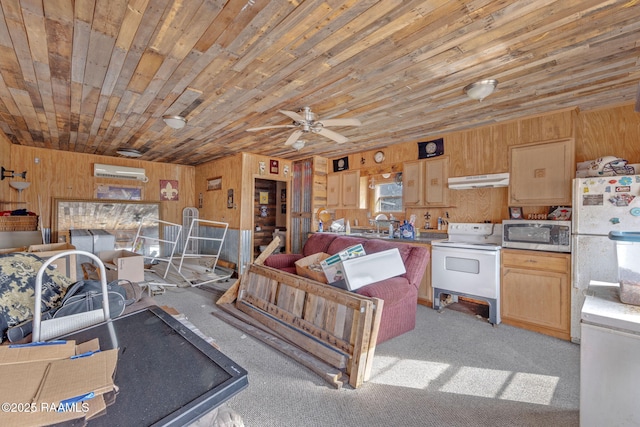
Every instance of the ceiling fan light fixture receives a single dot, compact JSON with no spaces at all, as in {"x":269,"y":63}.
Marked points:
{"x":129,"y":152}
{"x":481,"y":89}
{"x":298,"y":145}
{"x":175,"y":122}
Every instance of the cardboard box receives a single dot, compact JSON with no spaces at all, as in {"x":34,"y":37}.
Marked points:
{"x":40,"y":379}
{"x":332,"y":266}
{"x":311,"y":268}
{"x":12,"y":250}
{"x":17,"y":239}
{"x":123,"y":264}
{"x":65,"y":265}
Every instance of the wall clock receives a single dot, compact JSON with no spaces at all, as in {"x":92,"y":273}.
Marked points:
{"x":378,"y":157}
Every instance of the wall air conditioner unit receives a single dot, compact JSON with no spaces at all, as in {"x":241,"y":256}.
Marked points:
{"x":479,"y":181}
{"x":119,"y":172}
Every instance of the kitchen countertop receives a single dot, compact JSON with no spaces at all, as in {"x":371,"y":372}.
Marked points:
{"x":425,"y":236}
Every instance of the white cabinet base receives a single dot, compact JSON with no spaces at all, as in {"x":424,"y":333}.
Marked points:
{"x":609,"y":377}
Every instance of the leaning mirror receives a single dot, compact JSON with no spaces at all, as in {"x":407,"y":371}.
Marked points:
{"x":120,"y":218}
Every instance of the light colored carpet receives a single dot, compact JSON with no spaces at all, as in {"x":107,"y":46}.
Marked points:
{"x":454,"y":369}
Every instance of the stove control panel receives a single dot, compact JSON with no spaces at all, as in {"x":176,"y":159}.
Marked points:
{"x":471,"y":232}
{"x":482,"y":229}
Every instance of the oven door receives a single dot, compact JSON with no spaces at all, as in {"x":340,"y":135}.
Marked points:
{"x":468,"y":271}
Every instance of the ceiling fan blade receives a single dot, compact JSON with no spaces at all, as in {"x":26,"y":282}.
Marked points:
{"x":333,"y":135}
{"x":295,"y":116}
{"x":293,"y":137}
{"x":270,"y":127}
{"x":340,"y":122}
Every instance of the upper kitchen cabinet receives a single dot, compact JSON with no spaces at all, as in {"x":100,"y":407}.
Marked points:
{"x":541,"y":173}
{"x":343,"y":190}
{"x":424,"y":183}
{"x":412,"y":173}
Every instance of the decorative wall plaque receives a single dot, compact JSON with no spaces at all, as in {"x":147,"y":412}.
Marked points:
{"x":431,"y":148}
{"x":169,"y":189}
{"x":341,"y":164}
{"x":274,"y":166}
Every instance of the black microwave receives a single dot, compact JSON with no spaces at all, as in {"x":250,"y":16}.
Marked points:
{"x":537,"y":235}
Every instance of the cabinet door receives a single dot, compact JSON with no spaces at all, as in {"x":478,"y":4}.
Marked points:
{"x":541,"y":173}
{"x":535,"y":292}
{"x":436,"y":175}
{"x":333,"y":190}
{"x":537,"y":298}
{"x":412,"y":183}
{"x":351,"y":189}
{"x":425,"y":290}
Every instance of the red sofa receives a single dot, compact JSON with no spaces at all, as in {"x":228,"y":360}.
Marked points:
{"x":400,"y":293}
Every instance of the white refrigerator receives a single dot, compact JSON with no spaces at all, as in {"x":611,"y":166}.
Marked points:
{"x":600,"y":205}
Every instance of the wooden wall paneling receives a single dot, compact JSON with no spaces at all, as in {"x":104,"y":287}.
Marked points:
{"x":491,"y":152}
{"x":453,"y":144}
{"x":479,"y":152}
{"x":608,"y":132}
{"x":214,"y":202}
{"x":474,"y":152}
{"x":62,"y":174}
{"x":547,"y":127}
{"x":6,"y":192}
{"x":399,"y":153}
{"x":504,"y":135}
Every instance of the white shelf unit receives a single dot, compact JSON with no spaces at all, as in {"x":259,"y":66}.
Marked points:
{"x":198,"y":267}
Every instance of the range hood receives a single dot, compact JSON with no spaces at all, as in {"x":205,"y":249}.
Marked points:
{"x":479,"y":181}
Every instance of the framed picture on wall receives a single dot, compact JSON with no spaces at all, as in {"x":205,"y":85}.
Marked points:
{"x":118,"y":192}
{"x":214,"y":183}
{"x":515,"y":212}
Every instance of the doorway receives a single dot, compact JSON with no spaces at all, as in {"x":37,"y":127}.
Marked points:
{"x":269,"y":213}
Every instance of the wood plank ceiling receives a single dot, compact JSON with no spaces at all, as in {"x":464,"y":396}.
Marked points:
{"x":95,"y":76}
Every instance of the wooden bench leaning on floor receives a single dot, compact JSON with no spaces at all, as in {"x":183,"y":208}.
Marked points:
{"x":336,"y":326}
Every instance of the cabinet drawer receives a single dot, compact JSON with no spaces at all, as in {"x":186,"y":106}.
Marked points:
{"x":547,"y":261}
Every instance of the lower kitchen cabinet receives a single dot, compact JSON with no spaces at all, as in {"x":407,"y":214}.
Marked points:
{"x":535,"y":291}
{"x":425,"y":291}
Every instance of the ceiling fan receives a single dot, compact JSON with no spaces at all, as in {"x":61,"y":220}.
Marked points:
{"x":305,"y":121}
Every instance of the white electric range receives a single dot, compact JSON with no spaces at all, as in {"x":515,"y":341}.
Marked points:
{"x":468,"y":264}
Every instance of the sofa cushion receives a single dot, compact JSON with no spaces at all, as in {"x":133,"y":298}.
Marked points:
{"x":390,"y":290}
{"x":318,"y":242}
{"x":341,"y":243}
{"x":371,"y":246}
{"x":282,"y":261}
